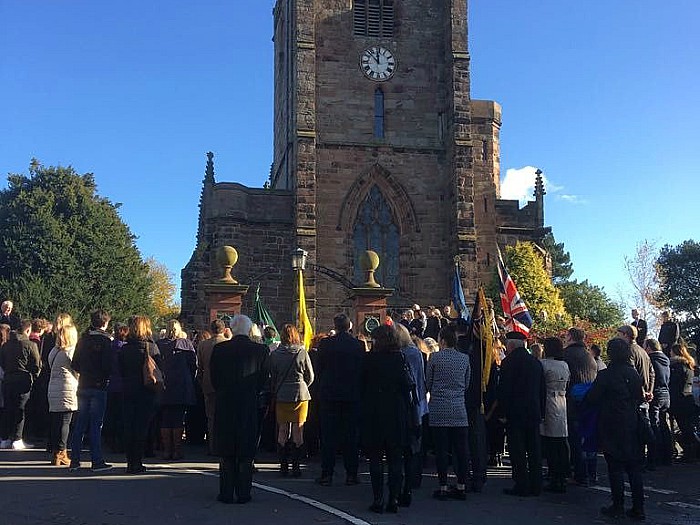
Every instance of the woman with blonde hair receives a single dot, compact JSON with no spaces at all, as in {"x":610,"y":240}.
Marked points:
{"x":179,"y":365}
{"x":62,"y":391}
{"x":139,"y":401}
{"x":683,"y":407}
{"x":291,"y":374}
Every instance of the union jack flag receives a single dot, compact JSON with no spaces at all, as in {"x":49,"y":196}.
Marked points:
{"x":517,"y":316}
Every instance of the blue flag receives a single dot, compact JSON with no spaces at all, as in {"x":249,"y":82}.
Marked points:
{"x":458,"y":300}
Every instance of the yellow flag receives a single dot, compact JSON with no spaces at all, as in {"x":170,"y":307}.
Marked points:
{"x":304,"y":323}
{"x":487,"y":339}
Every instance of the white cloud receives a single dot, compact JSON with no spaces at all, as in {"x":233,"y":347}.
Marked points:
{"x":571,"y":199}
{"x":519,"y":184}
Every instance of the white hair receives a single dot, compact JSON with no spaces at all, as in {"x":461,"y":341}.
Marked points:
{"x":241,"y":325}
{"x":6,"y":304}
{"x":403,"y":335}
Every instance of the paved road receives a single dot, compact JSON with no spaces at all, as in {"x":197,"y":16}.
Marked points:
{"x":34,"y":493}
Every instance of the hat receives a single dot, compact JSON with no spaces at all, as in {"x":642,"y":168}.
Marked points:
{"x":518,"y":336}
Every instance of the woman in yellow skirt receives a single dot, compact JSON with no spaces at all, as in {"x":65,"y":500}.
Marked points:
{"x":291,"y":375}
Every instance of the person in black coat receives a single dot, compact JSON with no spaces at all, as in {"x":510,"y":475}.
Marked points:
{"x":683,"y":407}
{"x":138,"y":401}
{"x":179,"y":368}
{"x":617,"y":392}
{"x":669,"y":333}
{"x":521,"y":396}
{"x":239,"y":373}
{"x":9,"y":318}
{"x":385,"y":414}
{"x":20,"y":359}
{"x":338,"y":368}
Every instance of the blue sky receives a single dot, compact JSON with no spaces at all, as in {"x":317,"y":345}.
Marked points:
{"x":601,"y":95}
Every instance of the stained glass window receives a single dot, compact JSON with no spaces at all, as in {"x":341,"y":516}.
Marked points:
{"x":375,"y":229}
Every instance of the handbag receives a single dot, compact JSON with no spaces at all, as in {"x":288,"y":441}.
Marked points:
{"x":644,"y":430}
{"x":152,"y":375}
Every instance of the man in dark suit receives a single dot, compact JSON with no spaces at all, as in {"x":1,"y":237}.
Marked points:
{"x":641,"y":326}
{"x":522,"y":396}
{"x":239,"y":373}
{"x":339,"y":369}
{"x":7,"y":317}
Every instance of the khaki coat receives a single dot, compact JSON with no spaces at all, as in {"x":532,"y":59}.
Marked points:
{"x":556,"y":378}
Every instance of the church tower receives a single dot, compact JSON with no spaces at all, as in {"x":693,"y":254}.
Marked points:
{"x":373,"y":134}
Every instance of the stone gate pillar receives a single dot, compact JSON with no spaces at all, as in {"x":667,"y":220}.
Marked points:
{"x":224,"y":296}
{"x":369,"y":300}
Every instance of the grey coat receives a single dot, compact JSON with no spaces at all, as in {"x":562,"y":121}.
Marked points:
{"x":291,"y":374}
{"x":63,"y":382}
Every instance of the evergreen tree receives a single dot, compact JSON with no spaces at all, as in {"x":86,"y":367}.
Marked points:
{"x":65,"y":249}
{"x":562,"y":267}
{"x":678,"y":269}
{"x":588,"y":302}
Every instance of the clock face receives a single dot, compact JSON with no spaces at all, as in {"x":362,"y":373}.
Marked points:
{"x":377,"y":63}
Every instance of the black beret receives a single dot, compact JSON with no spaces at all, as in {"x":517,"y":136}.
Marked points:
{"x":518,"y":336}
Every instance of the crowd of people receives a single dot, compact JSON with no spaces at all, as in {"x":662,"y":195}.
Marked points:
{"x":419,"y":384}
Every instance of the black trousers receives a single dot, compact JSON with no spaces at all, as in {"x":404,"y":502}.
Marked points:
{"x":524,"y":445}
{"x":235,"y":477}
{"x":456,"y":439}
{"x":616,"y":474}
{"x":137,"y":415}
{"x":394,"y":456}
{"x":60,"y":428}
{"x":556,"y":451}
{"x":339,"y":428}
{"x":12,"y":424}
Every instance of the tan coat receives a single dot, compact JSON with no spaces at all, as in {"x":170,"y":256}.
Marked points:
{"x":204,"y":350}
{"x":556,"y":377}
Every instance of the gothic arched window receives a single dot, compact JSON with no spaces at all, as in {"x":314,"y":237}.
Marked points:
{"x":373,"y":18}
{"x":376,"y":230}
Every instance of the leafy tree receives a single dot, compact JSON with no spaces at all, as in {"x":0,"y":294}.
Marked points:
{"x":65,"y":249}
{"x":526,"y":268}
{"x":678,"y":269}
{"x":162,"y":297}
{"x":562,"y":267}
{"x":584,"y":301}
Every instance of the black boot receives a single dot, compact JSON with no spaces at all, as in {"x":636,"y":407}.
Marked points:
{"x":377,"y":505}
{"x":283,"y":454}
{"x":296,"y":456}
{"x":392,"y":506}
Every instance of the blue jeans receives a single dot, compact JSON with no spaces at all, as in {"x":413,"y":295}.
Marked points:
{"x":91,"y":411}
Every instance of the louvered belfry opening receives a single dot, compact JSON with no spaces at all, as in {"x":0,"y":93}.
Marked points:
{"x":373,"y":18}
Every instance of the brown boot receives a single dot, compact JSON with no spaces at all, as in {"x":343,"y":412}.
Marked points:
{"x":64,"y":458}
{"x":56,"y":459}
{"x":178,"y":452}
{"x":166,"y":437}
